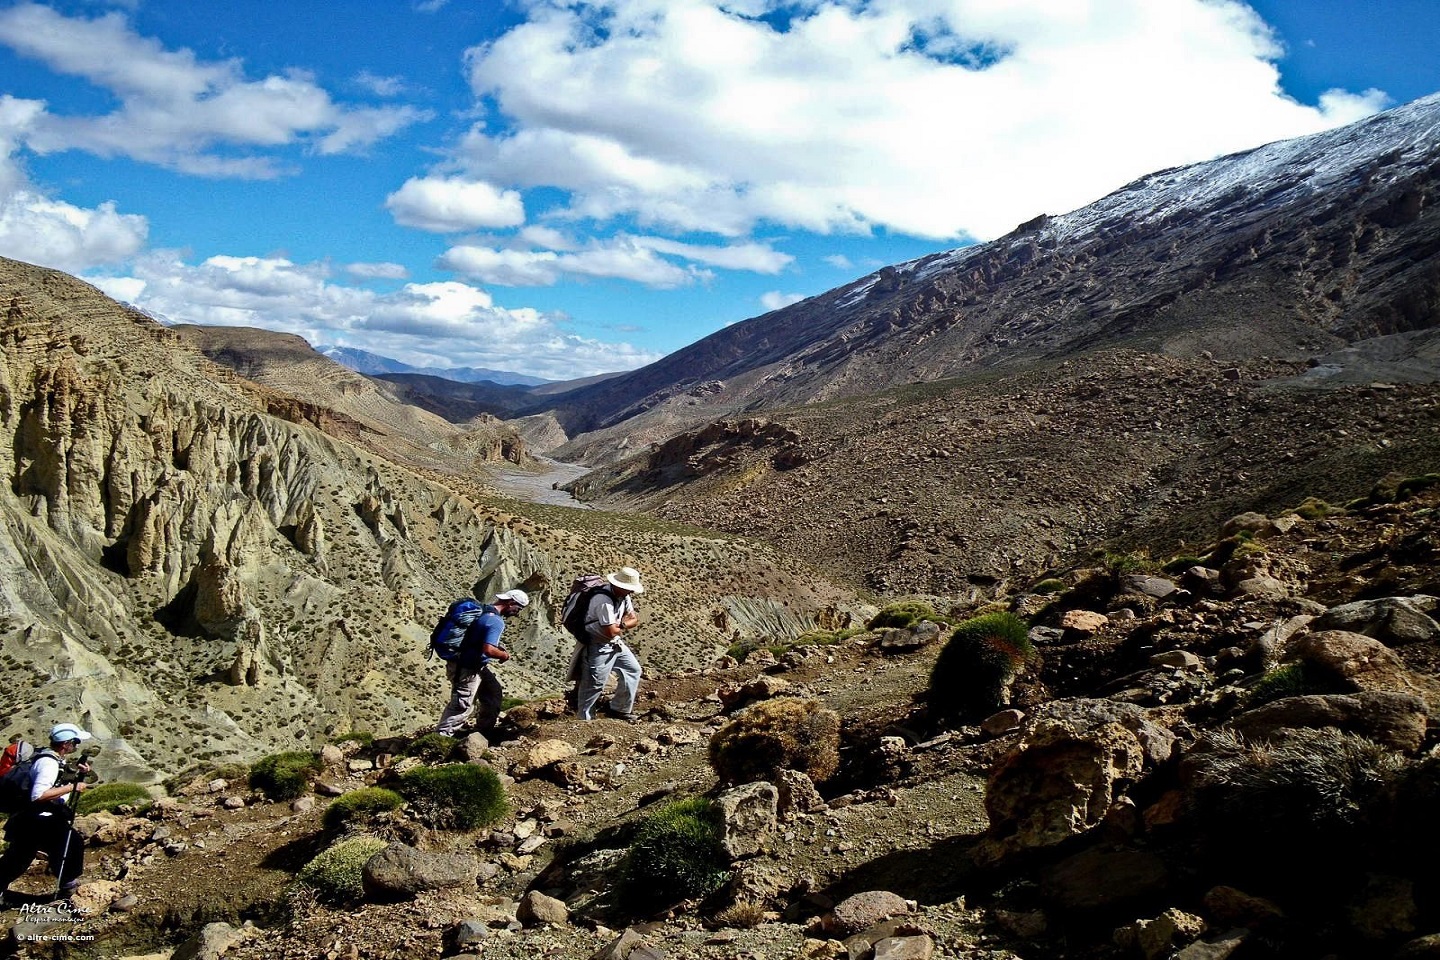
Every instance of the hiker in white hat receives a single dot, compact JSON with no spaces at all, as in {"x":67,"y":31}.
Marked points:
{"x":472,"y":684}
{"x":45,"y":822}
{"x":611,"y":614}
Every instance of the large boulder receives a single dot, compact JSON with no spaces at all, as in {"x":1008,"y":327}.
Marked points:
{"x":400,"y":872}
{"x":749,"y":818}
{"x":1361,"y":663}
{"x":1397,"y":720}
{"x":1071,"y":764}
{"x":1395,"y":621}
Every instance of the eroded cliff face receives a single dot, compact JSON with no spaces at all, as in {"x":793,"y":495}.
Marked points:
{"x":193,"y":578}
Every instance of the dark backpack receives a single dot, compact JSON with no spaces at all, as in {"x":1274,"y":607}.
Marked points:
{"x":449,"y":634}
{"x":16,"y":782}
{"x":577,"y":603}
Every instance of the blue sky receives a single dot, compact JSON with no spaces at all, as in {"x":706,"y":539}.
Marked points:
{"x":567,"y":187}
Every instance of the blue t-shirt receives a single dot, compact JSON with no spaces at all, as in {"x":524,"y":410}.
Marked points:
{"x":484,"y":629}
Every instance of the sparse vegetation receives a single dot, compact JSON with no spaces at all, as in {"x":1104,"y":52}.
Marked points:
{"x":973,"y":674}
{"x":786,"y":733}
{"x":676,"y":854}
{"x":432,"y":748}
{"x":284,"y":776}
{"x":1048,"y":586}
{"x":359,"y":806}
{"x":1313,"y":508}
{"x":902,"y":614}
{"x":335,"y":875}
{"x":109,"y":797}
{"x":456,"y":796}
{"x":1289,"y":812}
{"x":1290,"y":680}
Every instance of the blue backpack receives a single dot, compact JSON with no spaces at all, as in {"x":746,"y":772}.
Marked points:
{"x":449,"y":634}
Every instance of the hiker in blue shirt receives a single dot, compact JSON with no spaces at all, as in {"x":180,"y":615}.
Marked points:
{"x":469,"y":673}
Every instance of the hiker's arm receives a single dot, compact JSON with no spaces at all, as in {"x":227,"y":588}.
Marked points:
{"x":55,"y":793}
{"x":496,"y":653}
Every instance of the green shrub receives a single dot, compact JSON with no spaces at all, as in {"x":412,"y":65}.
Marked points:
{"x":1291,"y":680}
{"x":1182,"y":563}
{"x":676,"y":854}
{"x":457,"y":796}
{"x":1048,"y":586}
{"x":284,"y":776}
{"x":335,"y":875}
{"x":432,"y":748}
{"x":361,"y":805}
{"x":973,"y":674}
{"x":1123,"y":564}
{"x":1313,"y":508}
{"x":782,"y":734}
{"x":363,"y":737}
{"x":109,"y":797}
{"x":902,"y":614}
{"x":510,"y":703}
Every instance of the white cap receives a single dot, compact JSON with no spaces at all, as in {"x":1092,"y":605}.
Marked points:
{"x":519,"y":596}
{"x":65,"y":732}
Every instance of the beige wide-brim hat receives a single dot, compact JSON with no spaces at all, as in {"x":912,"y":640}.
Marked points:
{"x":627,"y":579}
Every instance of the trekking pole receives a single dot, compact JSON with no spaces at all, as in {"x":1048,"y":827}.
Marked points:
{"x":72,"y":803}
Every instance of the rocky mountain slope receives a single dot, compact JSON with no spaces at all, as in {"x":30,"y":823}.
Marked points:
{"x":1252,"y":330}
{"x":195,"y":564}
{"x":1226,"y":755}
{"x":1293,"y":250}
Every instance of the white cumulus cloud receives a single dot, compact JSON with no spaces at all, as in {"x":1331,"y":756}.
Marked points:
{"x":429,"y":324}
{"x":177,"y":111}
{"x":453,"y":204}
{"x":932,"y":118}
{"x":774,"y":299}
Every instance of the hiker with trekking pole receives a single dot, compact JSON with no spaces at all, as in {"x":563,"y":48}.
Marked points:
{"x":41,"y":794}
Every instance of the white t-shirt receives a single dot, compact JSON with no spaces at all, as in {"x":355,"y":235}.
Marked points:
{"x":606,"y":612}
{"x":47,"y":771}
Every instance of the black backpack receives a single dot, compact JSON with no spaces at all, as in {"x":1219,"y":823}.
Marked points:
{"x":449,"y":634}
{"x":577,"y":603}
{"x":16,"y":782}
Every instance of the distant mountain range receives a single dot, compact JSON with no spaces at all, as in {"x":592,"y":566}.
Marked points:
{"x":372,"y":364}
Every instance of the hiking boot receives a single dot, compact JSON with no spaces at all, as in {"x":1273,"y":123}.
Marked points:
{"x":617,"y":715}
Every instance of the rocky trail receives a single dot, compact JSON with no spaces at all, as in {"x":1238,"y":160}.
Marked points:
{"x":1181,"y":739}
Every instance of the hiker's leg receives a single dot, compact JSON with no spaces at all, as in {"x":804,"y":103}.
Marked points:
{"x":489,"y":699}
{"x":627,"y":680}
{"x":66,"y":862}
{"x":463,"y":686}
{"x":593,"y":674}
{"x":20,"y":849}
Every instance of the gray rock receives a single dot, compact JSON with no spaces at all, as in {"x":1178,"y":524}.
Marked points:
{"x":399,"y":872}
{"x":1003,"y":722}
{"x":212,"y":941}
{"x":1146,"y":586}
{"x":467,"y":933}
{"x":797,"y":794}
{"x":1395,"y":621}
{"x":1397,"y":720}
{"x":864,"y":910}
{"x":918,"y":947}
{"x":629,"y":946}
{"x":472,"y":749}
{"x":749,"y":816}
{"x":1217,"y":948}
{"x":1183,"y":659}
{"x":536,"y":909}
